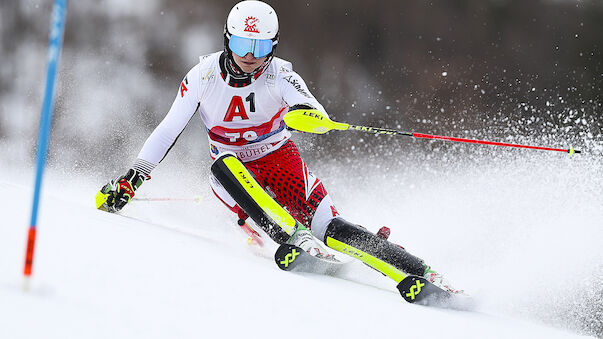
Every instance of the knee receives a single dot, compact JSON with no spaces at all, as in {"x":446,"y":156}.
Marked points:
{"x":325,"y":213}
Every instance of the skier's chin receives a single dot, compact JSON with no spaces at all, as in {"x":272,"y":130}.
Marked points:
{"x":249,"y":67}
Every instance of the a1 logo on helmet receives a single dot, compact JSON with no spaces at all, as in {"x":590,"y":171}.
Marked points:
{"x":250,"y":25}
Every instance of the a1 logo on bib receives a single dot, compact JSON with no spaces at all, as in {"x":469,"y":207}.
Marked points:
{"x":237,"y":108}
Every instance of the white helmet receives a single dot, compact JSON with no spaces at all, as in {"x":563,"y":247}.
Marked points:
{"x":251,"y":27}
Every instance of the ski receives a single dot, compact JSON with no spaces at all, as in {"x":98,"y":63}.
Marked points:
{"x":292,"y":258}
{"x":414,"y":289}
{"x":418,"y":290}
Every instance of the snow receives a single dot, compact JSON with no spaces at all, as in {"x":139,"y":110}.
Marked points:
{"x":184,"y":270}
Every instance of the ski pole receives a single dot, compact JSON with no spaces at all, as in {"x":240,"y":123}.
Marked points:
{"x":314,"y":121}
{"x":197,"y":199}
{"x":254,"y":238}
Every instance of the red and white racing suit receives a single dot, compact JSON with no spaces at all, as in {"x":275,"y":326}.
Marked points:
{"x":248,"y":121}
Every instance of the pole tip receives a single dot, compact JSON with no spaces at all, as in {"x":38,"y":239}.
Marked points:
{"x":573,"y":151}
{"x":27,"y":283}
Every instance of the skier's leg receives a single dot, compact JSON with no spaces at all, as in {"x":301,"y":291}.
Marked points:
{"x":353,"y":240}
{"x":236,"y":182}
{"x":245,"y":190}
{"x":287,"y":179}
{"x":374,"y":250}
{"x":293,"y":186}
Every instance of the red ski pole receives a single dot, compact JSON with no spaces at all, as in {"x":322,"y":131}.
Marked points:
{"x":314,"y":121}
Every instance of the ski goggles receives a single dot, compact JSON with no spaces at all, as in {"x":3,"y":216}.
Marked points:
{"x":258,"y":47}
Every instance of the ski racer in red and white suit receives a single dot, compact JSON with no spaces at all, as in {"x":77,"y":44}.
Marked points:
{"x":242,"y":95}
{"x":248,"y":121}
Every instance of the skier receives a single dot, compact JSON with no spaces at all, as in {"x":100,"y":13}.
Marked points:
{"x":242,"y":94}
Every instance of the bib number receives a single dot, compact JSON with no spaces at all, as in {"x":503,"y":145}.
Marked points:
{"x":247,"y":135}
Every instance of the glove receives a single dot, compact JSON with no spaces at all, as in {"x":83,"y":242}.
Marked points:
{"x":117,"y":193}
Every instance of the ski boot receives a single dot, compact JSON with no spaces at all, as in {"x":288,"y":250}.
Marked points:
{"x":304,"y":239}
{"x":439,"y":280}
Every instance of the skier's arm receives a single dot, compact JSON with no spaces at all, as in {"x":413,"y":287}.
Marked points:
{"x":113,"y":196}
{"x":295,"y":92}
{"x":165,"y":134}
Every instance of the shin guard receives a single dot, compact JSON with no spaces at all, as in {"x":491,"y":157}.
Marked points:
{"x":373,"y":250}
{"x":252,"y":198}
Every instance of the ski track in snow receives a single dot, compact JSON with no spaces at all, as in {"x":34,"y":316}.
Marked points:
{"x":181,"y":270}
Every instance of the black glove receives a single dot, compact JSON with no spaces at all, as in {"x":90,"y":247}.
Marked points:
{"x":301,"y":106}
{"x":117,"y":193}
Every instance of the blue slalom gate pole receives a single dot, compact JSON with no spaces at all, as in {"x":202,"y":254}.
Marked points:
{"x":57,"y":28}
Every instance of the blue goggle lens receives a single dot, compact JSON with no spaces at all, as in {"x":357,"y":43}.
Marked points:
{"x":258,"y":47}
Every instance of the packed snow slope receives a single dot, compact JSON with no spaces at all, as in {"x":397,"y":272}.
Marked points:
{"x":183,"y":270}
